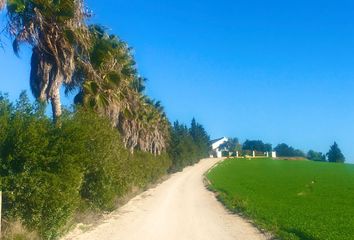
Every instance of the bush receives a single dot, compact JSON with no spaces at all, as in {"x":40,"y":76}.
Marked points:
{"x":101,"y":160}
{"x":41,"y":177}
{"x":146,"y":168}
{"x":110,"y":170}
{"x":47,"y":171}
{"x":43,"y":201}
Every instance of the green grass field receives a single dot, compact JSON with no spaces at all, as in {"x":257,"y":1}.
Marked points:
{"x":292,"y":199}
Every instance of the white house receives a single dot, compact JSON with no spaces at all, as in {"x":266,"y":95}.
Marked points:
{"x":215,"y":146}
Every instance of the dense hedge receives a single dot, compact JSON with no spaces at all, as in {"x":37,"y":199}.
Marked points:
{"x":48,"y":171}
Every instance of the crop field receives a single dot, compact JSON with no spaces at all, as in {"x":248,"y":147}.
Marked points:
{"x":292,"y":199}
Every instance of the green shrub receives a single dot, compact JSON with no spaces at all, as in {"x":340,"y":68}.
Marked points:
{"x":43,"y":201}
{"x":147,"y":168}
{"x":101,"y":157}
{"x":110,"y":171}
{"x":46,"y":171}
{"x":41,"y":177}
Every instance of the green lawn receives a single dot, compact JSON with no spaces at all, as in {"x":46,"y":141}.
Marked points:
{"x":293,"y":199}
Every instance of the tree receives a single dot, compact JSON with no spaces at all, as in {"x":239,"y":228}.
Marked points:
{"x":201,"y":139}
{"x":256,"y":145}
{"x":316,"y":156}
{"x":283,"y":150}
{"x":58,"y":34}
{"x":187,"y":145}
{"x":181,"y":149}
{"x":111,"y":86}
{"x":232,"y":145}
{"x":2,"y":4}
{"x":335,"y":154}
{"x":153,"y":126}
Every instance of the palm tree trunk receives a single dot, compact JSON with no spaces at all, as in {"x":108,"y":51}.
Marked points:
{"x":56,"y":104}
{"x":2,"y":4}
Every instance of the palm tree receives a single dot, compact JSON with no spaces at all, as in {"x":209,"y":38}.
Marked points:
{"x":105,"y":83}
{"x":112,"y":87}
{"x":2,"y":4}
{"x":155,"y":132}
{"x":59,"y":36}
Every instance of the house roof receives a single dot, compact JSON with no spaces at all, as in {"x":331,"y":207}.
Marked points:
{"x":216,"y":140}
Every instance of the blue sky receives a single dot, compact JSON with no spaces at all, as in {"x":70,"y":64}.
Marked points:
{"x":280,"y":71}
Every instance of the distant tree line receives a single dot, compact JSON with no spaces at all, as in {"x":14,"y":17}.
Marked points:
{"x":284,"y":150}
{"x":316,"y":156}
{"x":256,"y":145}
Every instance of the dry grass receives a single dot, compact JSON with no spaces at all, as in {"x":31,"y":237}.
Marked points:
{"x":14,"y":230}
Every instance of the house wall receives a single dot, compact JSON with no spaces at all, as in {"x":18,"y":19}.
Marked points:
{"x":215,"y":146}
{"x":218,"y":154}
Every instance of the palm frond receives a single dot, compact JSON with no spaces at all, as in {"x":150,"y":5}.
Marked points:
{"x":113,"y":88}
{"x":60,"y":38}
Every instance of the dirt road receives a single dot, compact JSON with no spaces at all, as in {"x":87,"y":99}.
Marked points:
{"x":178,"y":209}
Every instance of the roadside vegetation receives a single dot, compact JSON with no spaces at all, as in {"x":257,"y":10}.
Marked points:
{"x":115,"y":138}
{"x":112,"y":140}
{"x":50,"y":174}
{"x":292,"y":199}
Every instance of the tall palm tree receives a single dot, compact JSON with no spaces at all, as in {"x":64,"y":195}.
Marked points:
{"x":154,"y":134}
{"x":2,"y":4}
{"x":59,"y":36}
{"x":105,"y":83}
{"x":112,"y":87}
